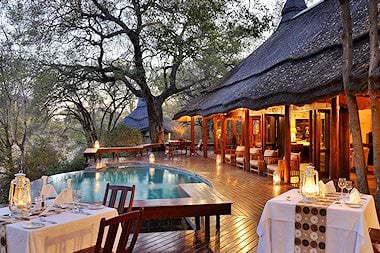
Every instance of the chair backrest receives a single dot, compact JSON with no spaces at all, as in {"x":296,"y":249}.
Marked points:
{"x":130,"y":223}
{"x":240,"y":151}
{"x":126,"y":192}
{"x":270,"y":153}
{"x":255,"y":150}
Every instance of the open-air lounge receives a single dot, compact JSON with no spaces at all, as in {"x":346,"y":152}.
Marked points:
{"x":273,"y":170}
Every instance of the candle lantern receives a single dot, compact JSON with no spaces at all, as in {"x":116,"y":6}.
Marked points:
{"x":96,"y":144}
{"x":309,"y":183}
{"x":276,"y":178}
{"x":152,"y":158}
{"x":20,"y":200}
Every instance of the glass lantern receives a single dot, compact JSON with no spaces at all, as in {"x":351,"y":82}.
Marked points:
{"x":20,"y":200}
{"x":309,"y":183}
{"x":152,"y":158}
{"x":276,"y":178}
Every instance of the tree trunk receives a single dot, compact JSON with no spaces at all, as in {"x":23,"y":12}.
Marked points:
{"x":373,"y":79}
{"x":156,"y":119}
{"x":361,"y":173}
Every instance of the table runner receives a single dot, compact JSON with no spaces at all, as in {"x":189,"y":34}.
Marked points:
{"x":310,"y":225}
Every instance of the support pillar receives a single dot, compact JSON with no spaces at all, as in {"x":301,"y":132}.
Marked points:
{"x":287,"y":144}
{"x":334,"y":147}
{"x":192,"y":147}
{"x":246,"y":138}
{"x":215,"y":121}
{"x":204,"y":136}
{"x":223,"y":127}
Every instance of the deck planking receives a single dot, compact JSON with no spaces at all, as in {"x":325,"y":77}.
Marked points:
{"x":249,"y":193}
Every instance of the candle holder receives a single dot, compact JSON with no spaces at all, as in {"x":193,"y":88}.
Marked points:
{"x":309,"y":184}
{"x":20,"y":200}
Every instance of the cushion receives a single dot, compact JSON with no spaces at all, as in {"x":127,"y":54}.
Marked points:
{"x":254,"y":163}
{"x":270,"y":152}
{"x":240,"y":159}
{"x":255,"y":150}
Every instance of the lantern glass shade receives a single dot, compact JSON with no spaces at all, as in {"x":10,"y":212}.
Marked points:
{"x":20,"y":200}
{"x":276,"y":178}
{"x":152,"y":158}
{"x":96,"y":144}
{"x":309,"y":183}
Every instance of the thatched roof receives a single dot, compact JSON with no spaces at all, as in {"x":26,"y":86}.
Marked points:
{"x":138,"y":119}
{"x":300,"y":63}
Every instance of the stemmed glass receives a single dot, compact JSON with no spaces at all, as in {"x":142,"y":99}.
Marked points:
{"x":349,"y":186}
{"x":342,"y":184}
{"x":76,"y":198}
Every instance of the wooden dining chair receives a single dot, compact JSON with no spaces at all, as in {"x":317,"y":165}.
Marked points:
{"x":126,"y":192}
{"x":130,"y":223}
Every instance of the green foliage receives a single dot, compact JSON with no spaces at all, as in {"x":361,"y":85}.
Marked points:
{"x":121,"y":136}
{"x":41,"y":156}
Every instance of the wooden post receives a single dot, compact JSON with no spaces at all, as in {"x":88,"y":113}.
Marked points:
{"x":215,"y":121}
{"x":334,"y":147}
{"x":223,"y":127}
{"x":192,"y":147}
{"x":246,"y":138}
{"x":344,"y":143}
{"x":287,"y":144}
{"x":204,"y":136}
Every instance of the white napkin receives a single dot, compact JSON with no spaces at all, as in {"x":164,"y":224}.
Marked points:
{"x":355,"y":196}
{"x":47,"y":190}
{"x":64,"y":197}
{"x":327,"y":188}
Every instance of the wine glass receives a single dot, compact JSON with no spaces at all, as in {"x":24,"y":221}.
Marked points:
{"x":342,"y":184}
{"x":349,"y":186}
{"x":76,"y":199}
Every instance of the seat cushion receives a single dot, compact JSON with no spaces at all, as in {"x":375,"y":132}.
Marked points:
{"x":254,"y":163}
{"x":272,"y":167}
{"x":229,"y":156}
{"x":240,"y":159}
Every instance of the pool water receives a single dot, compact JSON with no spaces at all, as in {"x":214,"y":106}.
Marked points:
{"x":152,"y":182}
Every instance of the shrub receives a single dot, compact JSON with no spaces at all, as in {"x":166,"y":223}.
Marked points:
{"x":121,"y":136}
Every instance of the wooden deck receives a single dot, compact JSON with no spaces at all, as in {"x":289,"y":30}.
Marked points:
{"x":249,"y":193}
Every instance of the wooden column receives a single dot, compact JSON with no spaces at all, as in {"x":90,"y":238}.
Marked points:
{"x":204,"y":136}
{"x":192,"y":147}
{"x":246,"y":138}
{"x":223,"y":127}
{"x":334,"y":147}
{"x":287,"y":149}
{"x":215,"y":121}
{"x":344,"y":143}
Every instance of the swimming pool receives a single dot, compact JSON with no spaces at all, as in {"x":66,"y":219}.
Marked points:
{"x":152,"y":181}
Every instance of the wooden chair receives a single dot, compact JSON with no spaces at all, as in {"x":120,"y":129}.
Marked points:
{"x":130,"y":223}
{"x":124,"y":192}
{"x":230,"y":156}
{"x":256,"y":160}
{"x":271,"y":161}
{"x":169,"y":150}
{"x":240,"y":156}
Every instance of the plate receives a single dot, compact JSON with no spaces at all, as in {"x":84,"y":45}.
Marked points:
{"x":354,"y":205}
{"x":95,"y":207}
{"x":33,"y":224}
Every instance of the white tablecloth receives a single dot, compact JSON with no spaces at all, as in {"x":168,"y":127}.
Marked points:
{"x":346,"y":228}
{"x":72,"y":232}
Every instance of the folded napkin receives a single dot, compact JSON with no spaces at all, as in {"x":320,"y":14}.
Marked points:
{"x":47,"y":190}
{"x":327,"y":188}
{"x":64,"y":197}
{"x":355,"y":197}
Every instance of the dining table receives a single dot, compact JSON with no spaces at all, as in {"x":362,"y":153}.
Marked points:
{"x":291,"y":223}
{"x":61,"y":230}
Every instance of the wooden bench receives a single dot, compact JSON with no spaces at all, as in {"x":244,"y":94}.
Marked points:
{"x":202,"y":201}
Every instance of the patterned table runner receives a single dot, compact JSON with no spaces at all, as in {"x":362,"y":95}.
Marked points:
{"x":310,"y":226}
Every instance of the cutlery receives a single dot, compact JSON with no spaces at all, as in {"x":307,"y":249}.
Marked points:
{"x":48,"y":221}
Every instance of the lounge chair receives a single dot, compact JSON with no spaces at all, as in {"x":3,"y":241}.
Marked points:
{"x":256,"y":160}
{"x":240,"y":150}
